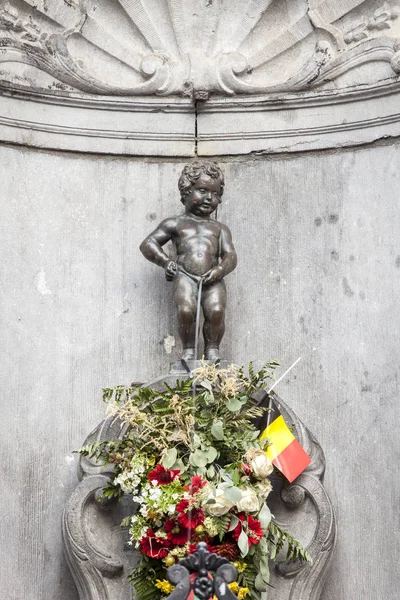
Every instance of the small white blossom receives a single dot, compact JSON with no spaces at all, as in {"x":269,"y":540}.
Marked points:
{"x":155,"y":494}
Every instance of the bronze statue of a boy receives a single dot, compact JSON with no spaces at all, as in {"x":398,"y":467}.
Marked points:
{"x":204,"y":252}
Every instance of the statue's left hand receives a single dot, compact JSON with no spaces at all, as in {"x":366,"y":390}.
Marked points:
{"x":213,"y":275}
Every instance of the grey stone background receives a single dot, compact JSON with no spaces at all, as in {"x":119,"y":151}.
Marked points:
{"x":318,"y":277}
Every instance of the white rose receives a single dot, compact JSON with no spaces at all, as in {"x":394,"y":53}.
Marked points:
{"x":221,"y":505}
{"x":264,"y":487}
{"x":249,"y":501}
{"x":259,"y":463}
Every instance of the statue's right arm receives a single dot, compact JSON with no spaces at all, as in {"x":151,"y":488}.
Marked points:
{"x":151,"y":247}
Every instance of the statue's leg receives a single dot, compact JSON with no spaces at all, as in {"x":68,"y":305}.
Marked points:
{"x":185,"y":295}
{"x":214,"y":303}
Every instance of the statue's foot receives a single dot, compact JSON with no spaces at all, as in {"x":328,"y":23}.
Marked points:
{"x":212,"y":354}
{"x":188,"y":354}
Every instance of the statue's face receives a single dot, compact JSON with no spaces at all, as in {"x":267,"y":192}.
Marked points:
{"x":204,"y":196}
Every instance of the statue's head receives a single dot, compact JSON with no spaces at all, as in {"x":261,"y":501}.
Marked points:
{"x":201,"y":177}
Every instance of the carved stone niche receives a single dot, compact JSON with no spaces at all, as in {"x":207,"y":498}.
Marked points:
{"x":100,"y":558}
{"x":212,"y":77}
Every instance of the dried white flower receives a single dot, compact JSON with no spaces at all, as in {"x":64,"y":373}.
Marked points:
{"x":259,"y":463}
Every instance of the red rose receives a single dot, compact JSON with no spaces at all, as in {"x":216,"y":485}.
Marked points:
{"x":153,"y":546}
{"x":163,"y":476}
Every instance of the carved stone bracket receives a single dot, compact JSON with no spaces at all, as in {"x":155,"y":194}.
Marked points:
{"x":100,"y":558}
{"x":304,"y":506}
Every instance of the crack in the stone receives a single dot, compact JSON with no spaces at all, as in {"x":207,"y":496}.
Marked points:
{"x":196,"y":139}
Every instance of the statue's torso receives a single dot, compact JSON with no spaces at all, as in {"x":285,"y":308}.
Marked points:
{"x":197,"y":244}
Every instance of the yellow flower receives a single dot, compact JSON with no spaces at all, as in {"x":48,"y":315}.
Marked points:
{"x":234,"y":587}
{"x":169,"y":560}
{"x":243,"y":593}
{"x":240,"y":566}
{"x":165,"y":586}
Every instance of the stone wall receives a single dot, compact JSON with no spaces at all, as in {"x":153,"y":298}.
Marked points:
{"x":318,"y":277}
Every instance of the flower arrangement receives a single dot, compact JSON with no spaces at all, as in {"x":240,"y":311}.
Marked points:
{"x":193,"y":462}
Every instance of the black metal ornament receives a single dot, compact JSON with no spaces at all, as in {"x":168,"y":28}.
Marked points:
{"x":205,"y":586}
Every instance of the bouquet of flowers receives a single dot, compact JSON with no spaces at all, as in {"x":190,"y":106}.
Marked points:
{"x":193,"y":462}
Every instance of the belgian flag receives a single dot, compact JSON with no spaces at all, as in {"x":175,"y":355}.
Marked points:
{"x":284,"y":451}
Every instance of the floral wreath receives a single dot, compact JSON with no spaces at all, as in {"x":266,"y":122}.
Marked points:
{"x":192,"y":459}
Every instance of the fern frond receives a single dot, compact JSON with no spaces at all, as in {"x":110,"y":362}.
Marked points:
{"x":277,"y":538}
{"x":143,"y":577}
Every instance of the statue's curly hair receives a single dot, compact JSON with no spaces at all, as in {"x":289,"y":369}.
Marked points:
{"x":194,"y":170}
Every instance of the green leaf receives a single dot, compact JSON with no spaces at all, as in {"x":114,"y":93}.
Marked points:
{"x":264,"y":569}
{"x":233,"y":523}
{"x":233,"y":493}
{"x":235,"y":477}
{"x":169,"y":458}
{"x":198,"y":458}
{"x":180,"y":465}
{"x":272,"y":551}
{"x":260,"y":584}
{"x":206,"y":384}
{"x":264,"y":516}
{"x":217,"y":430}
{"x":226,"y":477}
{"x":243,"y":543}
{"x":196,"y":440}
{"x":211,"y":472}
{"x":234,"y":405}
{"x":212,"y":454}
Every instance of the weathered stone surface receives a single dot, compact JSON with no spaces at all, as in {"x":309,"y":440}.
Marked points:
{"x":82,"y":309}
{"x":296,"y":123}
{"x":149,"y":127}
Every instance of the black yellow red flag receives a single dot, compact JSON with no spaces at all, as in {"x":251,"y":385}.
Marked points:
{"x":284,"y":450}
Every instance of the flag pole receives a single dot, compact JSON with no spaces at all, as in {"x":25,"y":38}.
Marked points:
{"x":273,"y":386}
